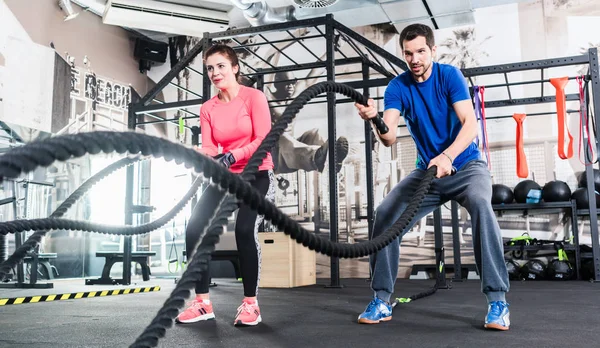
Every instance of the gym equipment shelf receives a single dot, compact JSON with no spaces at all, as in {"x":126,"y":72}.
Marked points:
{"x":544,"y":208}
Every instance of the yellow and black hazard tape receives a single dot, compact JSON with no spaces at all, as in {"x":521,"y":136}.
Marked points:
{"x":75,"y":295}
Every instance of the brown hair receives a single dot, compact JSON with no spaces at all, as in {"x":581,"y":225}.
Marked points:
{"x":412,"y":31}
{"x":226,"y":51}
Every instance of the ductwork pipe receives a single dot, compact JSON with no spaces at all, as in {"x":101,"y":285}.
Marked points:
{"x":260,"y":13}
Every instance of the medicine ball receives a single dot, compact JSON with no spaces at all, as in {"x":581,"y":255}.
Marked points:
{"x":513,"y":269}
{"x":582,"y":180}
{"x":560,"y":270}
{"x":556,"y":191}
{"x":525,"y":189}
{"x":501,"y":194}
{"x":533,"y":270}
{"x":580,"y":196}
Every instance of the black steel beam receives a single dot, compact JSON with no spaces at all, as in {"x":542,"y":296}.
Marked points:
{"x":127,"y":243}
{"x":595,"y":85}
{"x":529,"y":82}
{"x":169,"y":106}
{"x":369,"y":83}
{"x":253,"y":53}
{"x":184,"y":89}
{"x":528,"y":65}
{"x":321,"y":101}
{"x":183,"y":62}
{"x":278,"y":50}
{"x":162,"y":102}
{"x":206,"y":84}
{"x":271,"y":42}
{"x":380,"y":69}
{"x":307,"y":66}
{"x":380,"y":51}
{"x":299,"y":41}
{"x":526,"y":101}
{"x":193,"y":70}
{"x":173,"y":121}
{"x":430,"y":14}
{"x":303,"y":23}
{"x":354,"y":46}
{"x":369,"y":166}
{"x":529,"y":114}
{"x":331,"y":132}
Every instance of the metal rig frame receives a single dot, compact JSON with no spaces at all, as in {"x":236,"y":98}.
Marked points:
{"x":371,"y":58}
{"x":367,"y":54}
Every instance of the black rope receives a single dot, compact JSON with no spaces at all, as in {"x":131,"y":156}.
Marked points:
{"x":44,"y":152}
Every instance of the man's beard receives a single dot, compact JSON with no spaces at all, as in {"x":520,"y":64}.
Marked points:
{"x":425,"y":70}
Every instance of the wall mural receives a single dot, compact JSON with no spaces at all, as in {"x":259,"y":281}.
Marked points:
{"x":464,"y":49}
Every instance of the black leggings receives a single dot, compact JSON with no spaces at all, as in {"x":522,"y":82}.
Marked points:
{"x":246,"y":229}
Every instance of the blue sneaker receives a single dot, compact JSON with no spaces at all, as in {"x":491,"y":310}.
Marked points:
{"x":498,"y":316}
{"x":376,"y":311}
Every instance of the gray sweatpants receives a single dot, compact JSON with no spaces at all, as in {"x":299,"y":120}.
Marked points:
{"x":471,"y":187}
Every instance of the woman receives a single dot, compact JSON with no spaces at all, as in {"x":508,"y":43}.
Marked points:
{"x":237,"y":120}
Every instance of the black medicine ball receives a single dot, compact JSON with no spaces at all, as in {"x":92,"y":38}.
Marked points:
{"x":501,"y":194}
{"x":560,"y":270}
{"x":513,"y":269}
{"x":582,"y":180}
{"x":534,"y":270}
{"x":526,"y":188}
{"x":580,"y":196}
{"x":556,"y":191}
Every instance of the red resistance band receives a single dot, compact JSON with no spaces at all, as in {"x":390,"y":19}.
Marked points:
{"x":522,"y":168}
{"x":559,"y":83}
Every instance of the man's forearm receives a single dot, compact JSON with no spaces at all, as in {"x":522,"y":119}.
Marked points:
{"x":465,"y":137}
{"x":387,"y":139}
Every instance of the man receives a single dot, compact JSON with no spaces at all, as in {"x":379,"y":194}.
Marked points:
{"x":435,"y":102}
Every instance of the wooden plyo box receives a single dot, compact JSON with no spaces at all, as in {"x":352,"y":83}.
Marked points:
{"x":285,"y":263}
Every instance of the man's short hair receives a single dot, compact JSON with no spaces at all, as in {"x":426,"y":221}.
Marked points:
{"x":412,"y":31}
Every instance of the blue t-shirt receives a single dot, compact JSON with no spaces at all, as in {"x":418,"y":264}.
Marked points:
{"x":427,"y":108}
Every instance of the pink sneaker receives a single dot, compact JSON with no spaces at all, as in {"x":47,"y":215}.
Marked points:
{"x":248,"y":314}
{"x":197,"y":311}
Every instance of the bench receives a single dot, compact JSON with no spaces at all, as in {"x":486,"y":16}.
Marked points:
{"x":43,"y":259}
{"x":226,"y":250}
{"x":112,"y":257}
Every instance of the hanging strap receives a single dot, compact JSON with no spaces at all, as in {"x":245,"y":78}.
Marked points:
{"x":522,"y":168}
{"x":559,"y":83}
{"x":480,"y":113}
{"x":582,"y":125}
{"x":477,"y":108}
{"x":486,"y":148}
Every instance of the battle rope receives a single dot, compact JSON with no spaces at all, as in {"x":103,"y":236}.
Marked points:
{"x":44,"y":152}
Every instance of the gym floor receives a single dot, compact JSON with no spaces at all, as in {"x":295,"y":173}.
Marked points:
{"x":543,"y":314}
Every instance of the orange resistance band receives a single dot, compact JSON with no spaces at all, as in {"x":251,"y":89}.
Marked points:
{"x":559,"y":83}
{"x":522,"y":168}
